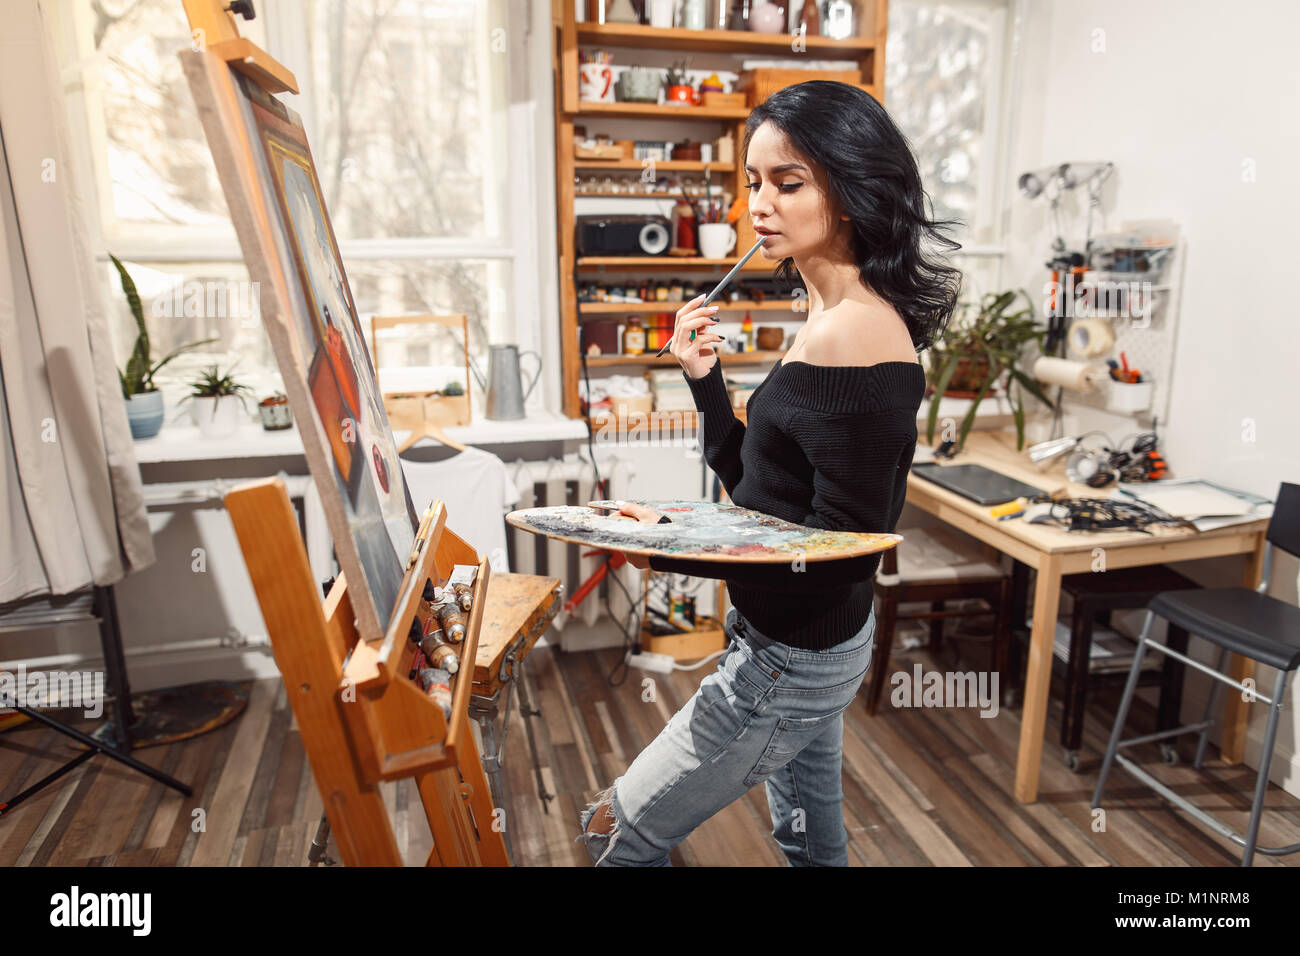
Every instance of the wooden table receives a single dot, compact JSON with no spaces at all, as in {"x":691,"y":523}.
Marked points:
{"x":1054,"y":552}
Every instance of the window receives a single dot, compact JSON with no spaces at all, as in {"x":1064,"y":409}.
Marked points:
{"x":944,"y":70}
{"x":406,"y":103}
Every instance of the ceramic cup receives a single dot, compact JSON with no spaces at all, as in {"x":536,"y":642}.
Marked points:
{"x":717,"y":239}
{"x":596,"y":82}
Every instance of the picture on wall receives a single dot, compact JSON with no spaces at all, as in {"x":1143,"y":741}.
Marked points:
{"x":276,"y":203}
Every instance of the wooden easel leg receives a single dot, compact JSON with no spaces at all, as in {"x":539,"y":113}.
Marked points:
{"x":491,"y":840}
{"x":309,"y":652}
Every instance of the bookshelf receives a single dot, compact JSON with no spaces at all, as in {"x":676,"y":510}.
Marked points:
{"x":704,"y":47}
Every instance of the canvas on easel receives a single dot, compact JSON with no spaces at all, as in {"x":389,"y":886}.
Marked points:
{"x":370,"y":705}
{"x":277,"y":206}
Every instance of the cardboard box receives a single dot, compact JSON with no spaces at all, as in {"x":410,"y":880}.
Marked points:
{"x":761,"y":83}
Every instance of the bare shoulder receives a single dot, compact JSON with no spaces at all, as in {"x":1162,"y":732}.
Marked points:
{"x":857,"y":333}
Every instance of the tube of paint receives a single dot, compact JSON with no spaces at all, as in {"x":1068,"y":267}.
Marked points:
{"x":439,"y":652}
{"x":464,"y":596}
{"x":436,"y":682}
{"x":452,"y":623}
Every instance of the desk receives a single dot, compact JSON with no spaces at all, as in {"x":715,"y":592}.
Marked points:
{"x":1053,"y":552}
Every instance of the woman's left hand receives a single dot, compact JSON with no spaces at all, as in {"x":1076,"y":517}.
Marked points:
{"x":643,"y":514}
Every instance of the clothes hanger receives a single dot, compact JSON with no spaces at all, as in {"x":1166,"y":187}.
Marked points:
{"x":427,"y":430}
{"x":420,"y":428}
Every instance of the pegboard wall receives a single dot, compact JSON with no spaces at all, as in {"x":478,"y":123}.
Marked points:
{"x":1148,"y":343}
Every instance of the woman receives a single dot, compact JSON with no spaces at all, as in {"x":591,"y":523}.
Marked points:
{"x":829,"y":443}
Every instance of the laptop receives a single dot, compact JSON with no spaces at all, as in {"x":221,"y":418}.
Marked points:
{"x":982,"y":485}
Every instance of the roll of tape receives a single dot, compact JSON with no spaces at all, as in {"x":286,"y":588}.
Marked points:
{"x":1090,"y":337}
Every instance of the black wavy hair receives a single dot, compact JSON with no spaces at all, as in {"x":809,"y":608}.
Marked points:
{"x":873,"y":179}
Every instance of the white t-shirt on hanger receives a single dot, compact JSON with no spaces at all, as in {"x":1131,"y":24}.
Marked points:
{"x":477,"y":490}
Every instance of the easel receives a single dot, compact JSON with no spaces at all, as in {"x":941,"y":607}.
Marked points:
{"x":363,"y":720}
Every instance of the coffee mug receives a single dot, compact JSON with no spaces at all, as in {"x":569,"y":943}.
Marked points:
{"x":596,"y":82}
{"x":717,"y":239}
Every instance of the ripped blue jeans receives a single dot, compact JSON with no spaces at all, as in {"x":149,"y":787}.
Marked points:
{"x":770,"y":714}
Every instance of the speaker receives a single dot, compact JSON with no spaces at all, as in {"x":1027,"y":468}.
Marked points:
{"x":623,"y":235}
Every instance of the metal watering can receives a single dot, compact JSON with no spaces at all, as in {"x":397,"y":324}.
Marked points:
{"x":504,"y":386}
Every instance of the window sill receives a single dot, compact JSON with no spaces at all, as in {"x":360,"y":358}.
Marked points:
{"x":178,"y":442}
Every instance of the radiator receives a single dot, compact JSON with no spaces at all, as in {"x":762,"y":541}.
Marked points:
{"x":571,"y":481}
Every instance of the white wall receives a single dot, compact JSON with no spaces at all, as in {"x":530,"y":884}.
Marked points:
{"x":1185,"y":97}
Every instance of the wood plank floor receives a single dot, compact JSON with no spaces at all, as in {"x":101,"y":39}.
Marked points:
{"x":921,"y":787}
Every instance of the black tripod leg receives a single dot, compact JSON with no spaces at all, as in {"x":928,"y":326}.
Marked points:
{"x":110,"y":637}
{"x":6,"y":806}
{"x":100,"y":747}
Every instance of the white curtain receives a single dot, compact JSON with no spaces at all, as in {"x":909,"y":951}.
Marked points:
{"x":73,"y":513}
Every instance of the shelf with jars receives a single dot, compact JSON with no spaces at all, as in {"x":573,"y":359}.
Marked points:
{"x":613,"y":78}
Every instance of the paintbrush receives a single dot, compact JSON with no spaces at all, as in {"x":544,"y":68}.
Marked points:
{"x":726,"y":280}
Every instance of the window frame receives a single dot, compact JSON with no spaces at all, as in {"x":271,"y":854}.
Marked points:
{"x":525,"y":239}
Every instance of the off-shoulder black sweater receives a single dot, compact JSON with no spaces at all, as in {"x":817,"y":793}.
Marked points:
{"x":828,"y":447}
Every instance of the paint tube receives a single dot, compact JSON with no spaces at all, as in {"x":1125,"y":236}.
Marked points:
{"x":464,"y":596}
{"x":439,"y":653}
{"x":436,"y":682}
{"x":452,"y":623}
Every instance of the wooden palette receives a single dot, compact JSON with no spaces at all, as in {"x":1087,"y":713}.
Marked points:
{"x":700,"y":530}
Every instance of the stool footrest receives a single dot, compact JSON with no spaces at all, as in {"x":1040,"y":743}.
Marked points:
{"x":1162,"y":734}
{"x":1216,"y":825}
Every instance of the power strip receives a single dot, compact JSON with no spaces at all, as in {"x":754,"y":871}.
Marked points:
{"x":658,"y":663}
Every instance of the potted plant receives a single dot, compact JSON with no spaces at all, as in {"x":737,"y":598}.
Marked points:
{"x":974,"y":353}
{"x":215,"y":396}
{"x":144,"y":402}
{"x":274,"y":412}
{"x":679,"y":91}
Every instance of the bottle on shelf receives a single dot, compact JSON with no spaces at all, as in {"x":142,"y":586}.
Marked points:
{"x":633,"y":336}
{"x":684,"y":218}
{"x":809,"y":19}
{"x":747,"y":332}
{"x":839,"y":19}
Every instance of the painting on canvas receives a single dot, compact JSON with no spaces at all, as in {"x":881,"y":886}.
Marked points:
{"x":284,"y":229}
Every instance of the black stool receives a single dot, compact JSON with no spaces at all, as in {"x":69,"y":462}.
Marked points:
{"x":1246,"y":622}
{"x":1096,"y":595}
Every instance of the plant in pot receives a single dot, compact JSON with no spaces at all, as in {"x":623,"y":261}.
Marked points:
{"x":274,"y":412}
{"x":217,"y":401}
{"x":144,"y":401}
{"x":976,"y":352}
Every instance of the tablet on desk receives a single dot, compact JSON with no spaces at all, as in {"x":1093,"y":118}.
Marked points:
{"x":982,"y":485}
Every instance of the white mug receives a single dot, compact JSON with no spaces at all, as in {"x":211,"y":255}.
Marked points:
{"x":596,"y":82}
{"x":661,"y":13}
{"x":717,"y":239}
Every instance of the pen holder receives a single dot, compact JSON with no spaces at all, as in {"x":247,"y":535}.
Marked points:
{"x":1125,"y":397}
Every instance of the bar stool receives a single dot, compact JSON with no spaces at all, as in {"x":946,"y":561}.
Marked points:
{"x":936,"y":565}
{"x":1246,"y":622}
{"x":1095,"y":596}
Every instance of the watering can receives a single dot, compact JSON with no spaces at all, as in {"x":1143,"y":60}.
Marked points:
{"x":504,"y":386}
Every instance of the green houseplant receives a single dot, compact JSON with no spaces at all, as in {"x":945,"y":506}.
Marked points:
{"x":975,"y":352}
{"x":144,"y":404}
{"x":215,"y":395}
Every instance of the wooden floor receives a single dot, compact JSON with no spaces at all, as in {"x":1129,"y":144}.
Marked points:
{"x":921,"y":787}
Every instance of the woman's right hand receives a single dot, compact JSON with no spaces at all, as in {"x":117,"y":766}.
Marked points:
{"x":697,"y":358}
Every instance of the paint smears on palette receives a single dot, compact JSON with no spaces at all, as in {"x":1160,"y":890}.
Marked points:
{"x":699,"y":530}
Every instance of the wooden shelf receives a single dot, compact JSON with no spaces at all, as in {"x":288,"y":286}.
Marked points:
{"x":733,"y":358}
{"x":619,"y":308}
{"x":668,"y":262}
{"x":599,"y":195}
{"x":670,"y":165}
{"x":655,"y":111}
{"x":717,"y":41}
{"x":708,"y":50}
